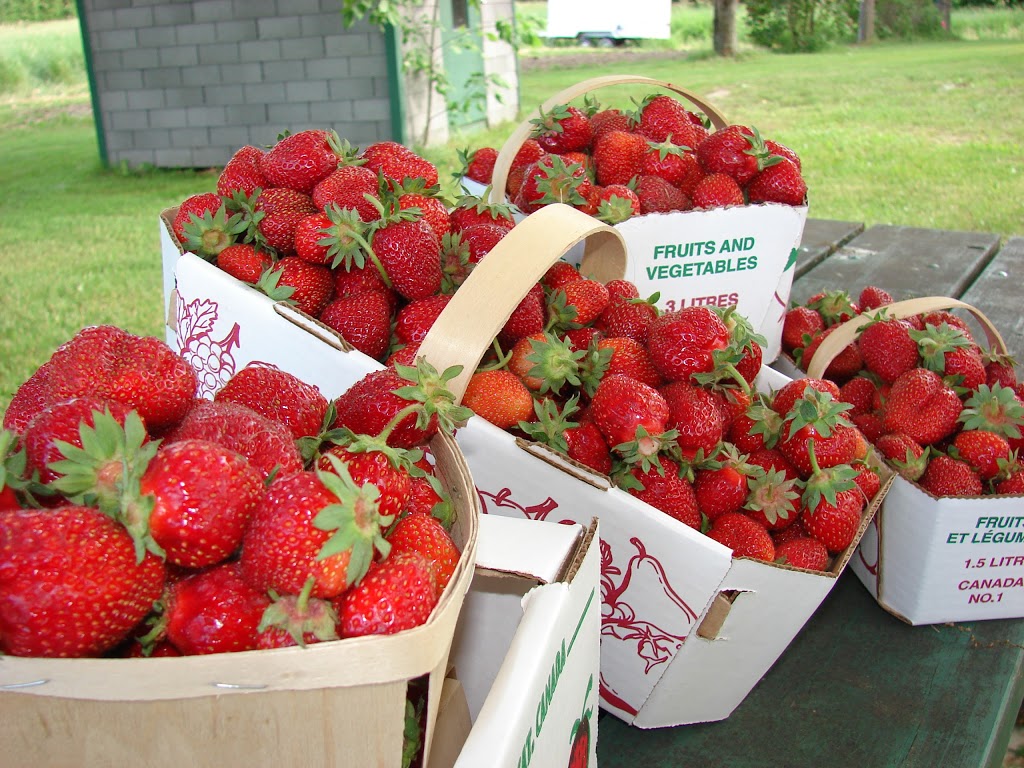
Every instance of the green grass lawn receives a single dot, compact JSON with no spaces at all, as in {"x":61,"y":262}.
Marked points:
{"x":923,"y":134}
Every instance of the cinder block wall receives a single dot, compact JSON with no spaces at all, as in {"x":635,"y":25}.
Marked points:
{"x":185,"y":84}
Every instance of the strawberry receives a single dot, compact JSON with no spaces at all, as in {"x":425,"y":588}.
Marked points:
{"x":268,"y":445}
{"x":616,"y":203}
{"x":723,"y":486}
{"x":756,"y":427}
{"x":586,"y":444}
{"x":310,"y":234}
{"x":244,"y":262}
{"x":982,"y":450}
{"x":946,"y":476}
{"x":527,"y":319}
{"x":396,"y":163}
{"x":860,"y":392}
{"x":29,"y":399}
{"x":13,"y":476}
{"x":300,"y":160}
{"x":618,"y":157}
{"x":346,"y":188}
{"x":397,"y":594}
{"x":70,"y":584}
{"x":904,"y":453}
{"x":922,"y":406}
{"x":995,"y":409}
{"x":563,"y":129}
{"x":950,"y":352}
{"x":242,"y":173}
{"x":662,"y":118}
{"x":425,"y":534}
{"x":834,"y":306}
{"x":408,"y":254}
{"x":816,"y":427}
{"x":630,"y":358}
{"x":682,"y":343}
{"x":784,"y":399}
{"x":203,"y":495}
{"x":888,"y":349}
{"x":308,"y":287}
{"x":193,"y":208}
{"x":844,"y":365}
{"x":529,"y":153}
{"x":803,"y":552}
{"x":1000,"y":369}
{"x":415,"y":319}
{"x":282,"y":208}
{"x":745,"y":537}
{"x":799,"y":326}
{"x":367,"y":461}
{"x":666,"y":490}
{"x":772,"y":499}
{"x":630,"y":318}
{"x":470,"y":210}
{"x":695,"y":416}
{"x":873,"y":297}
{"x":363,"y":320}
{"x":213,"y":611}
{"x":481,"y":239}
{"x":478,"y":165}
{"x":672,"y":163}
{"x":630,"y":414}
{"x":560,"y":273}
{"x":782,"y":150}
{"x":354,"y":280}
{"x":658,"y":196}
{"x":433,"y":209}
{"x":834,"y":524}
{"x":500,"y":397}
{"x":736,"y":151}
{"x":781,"y":182}
{"x":939,"y":317}
{"x":717,"y":190}
{"x":279,"y":395}
{"x":579,"y":302}
{"x":297,"y":620}
{"x":206,"y":233}
{"x":313,"y":524}
{"x":552,"y":180}
{"x":1010,"y":479}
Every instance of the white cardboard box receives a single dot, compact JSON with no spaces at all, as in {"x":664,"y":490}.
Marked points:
{"x":526,"y":649}
{"x":660,"y":579}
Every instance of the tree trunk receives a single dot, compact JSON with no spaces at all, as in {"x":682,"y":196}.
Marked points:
{"x":944,"y":12}
{"x":866,"y":30}
{"x":725,"y":27}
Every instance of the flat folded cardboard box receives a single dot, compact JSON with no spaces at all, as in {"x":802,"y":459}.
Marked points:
{"x":660,"y":578}
{"x":526,"y":650}
{"x":288,"y":706}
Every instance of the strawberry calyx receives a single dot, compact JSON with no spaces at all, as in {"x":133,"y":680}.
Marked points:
{"x":550,"y":122}
{"x":825,"y":483}
{"x":213,"y":231}
{"x":819,"y":411}
{"x":994,"y":409}
{"x":106,"y":472}
{"x":834,"y":306}
{"x":766,"y":422}
{"x":935,"y":341}
{"x":245,"y":206}
{"x":773,"y":494}
{"x":551,"y":423}
{"x":455,"y":262}
{"x":615,"y":209}
{"x":269,"y":285}
{"x":345,"y":238}
{"x":428,"y":396}
{"x":555,"y":363}
{"x":301,"y":616}
{"x":482,"y":205}
{"x":759,"y":150}
{"x":666,"y":148}
{"x":558,"y":182}
{"x":14,"y":481}
{"x":355,"y":522}
{"x":645,"y":449}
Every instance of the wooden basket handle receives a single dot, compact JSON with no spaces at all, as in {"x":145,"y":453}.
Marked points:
{"x":848,"y":331}
{"x":503,"y":164}
{"x":479,"y":308}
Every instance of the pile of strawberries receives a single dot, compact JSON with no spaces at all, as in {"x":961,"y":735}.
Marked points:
{"x":660,"y":157}
{"x":944,"y":412}
{"x":347,"y":236}
{"x":664,"y":404}
{"x":137,"y":519}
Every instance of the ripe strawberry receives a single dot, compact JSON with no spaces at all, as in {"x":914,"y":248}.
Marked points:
{"x":755,"y":427}
{"x":282,"y":209}
{"x":784,"y":399}
{"x":242,"y":173}
{"x":500,"y":397}
{"x":834,"y":306}
{"x":922,"y":406}
{"x":213,"y":611}
{"x":782,"y":150}
{"x":367,"y":462}
{"x":658,"y":196}
{"x":193,"y":208}
{"x":946,"y":476}
{"x":800,"y":325}
{"x":560,"y":273}
{"x":70,"y":584}
{"x":425,"y":534}
{"x":816,"y":423}
{"x":670,"y":162}
{"x":268,"y":445}
{"x":888,"y":349}
{"x":682,"y":343}
{"x":860,"y":392}
{"x":630,"y":318}
{"x":363,"y":320}
{"x":745,"y":537}
{"x":355,"y":280}
{"x":717,"y":190}
{"x":29,"y":399}
{"x":804,"y":552}
{"x":736,"y":151}
{"x":609,"y":119}
{"x":662,"y":118}
{"x":616,"y":203}
{"x":292,"y":620}
{"x":695,"y":415}
{"x":433,"y":209}
{"x":618,"y":157}
{"x":244,"y":262}
{"x":397,"y":163}
{"x":982,"y":450}
{"x":481,"y":239}
{"x":1000,"y":369}
{"x":397,"y":594}
{"x":408,"y":253}
{"x":781,"y":182}
{"x":1010,"y":479}
{"x":904,"y":453}
{"x":834,"y":524}
{"x":584,"y":301}
{"x":300,"y":160}
{"x":844,"y":365}
{"x":773,"y":499}
{"x":308,"y":287}
{"x":938,"y":317}
{"x":527,"y":318}
{"x":873,"y":297}
{"x":278,"y":395}
{"x":478,"y":165}
{"x":666,"y":490}
{"x":630,"y":358}
{"x":630,"y":413}
{"x":528,"y":154}
{"x":415,"y":319}
{"x":563,"y":129}
{"x":586,"y":444}
{"x":723,"y":486}
{"x":552,"y":180}
{"x":951,"y":353}
{"x":346,"y":188}
{"x":470,"y":210}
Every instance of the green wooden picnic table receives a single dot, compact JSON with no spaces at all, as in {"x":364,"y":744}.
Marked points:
{"x":859,"y":688}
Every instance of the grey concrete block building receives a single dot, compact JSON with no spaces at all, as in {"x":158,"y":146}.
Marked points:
{"x":183,"y":84}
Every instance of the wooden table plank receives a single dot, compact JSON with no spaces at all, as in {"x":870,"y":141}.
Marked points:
{"x":906,"y":261}
{"x":998,"y":292}
{"x":856,"y":688}
{"x":821,"y":238}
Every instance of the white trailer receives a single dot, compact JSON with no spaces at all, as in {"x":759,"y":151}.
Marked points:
{"x":608,"y":22}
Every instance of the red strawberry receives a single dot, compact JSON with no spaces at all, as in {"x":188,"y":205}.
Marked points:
{"x":29,"y":399}
{"x":665,"y":490}
{"x":471,"y":210}
{"x":717,"y":190}
{"x":922,"y":406}
{"x":560,"y":273}
{"x":803,"y":552}
{"x":835,"y":524}
{"x":268,"y":445}
{"x":433,"y":209}
{"x":736,"y":151}
{"x":193,"y":208}
{"x":203,"y":495}
{"x":376,"y":465}
{"x":242,"y":173}
{"x":631,"y":318}
{"x":282,"y":210}
{"x":214,"y":611}
{"x":527,"y":319}
{"x":618,"y":157}
{"x":278,"y":395}
{"x":409,"y":254}
{"x":723,"y":486}
{"x":363,"y":320}
{"x":834,"y":306}
{"x":782,"y":150}
{"x":552,"y":180}
{"x":784,"y":400}
{"x":311,"y":285}
{"x":397,"y":163}
{"x":500,"y":397}
{"x":1000,"y":369}
{"x":671,"y":163}
{"x":630,"y":358}
{"x":658,"y":196}
{"x":682,"y":343}
{"x":800,"y":325}
{"x":346,"y":188}
{"x":982,"y":450}
{"x":616,"y":203}
{"x":587,"y":445}
{"x":946,"y":476}
{"x":844,"y":365}
{"x":300,"y":160}
{"x":563,"y":129}
{"x":873,"y":297}
{"x":695,"y":416}
{"x":950,"y":352}
{"x":773,"y":499}
{"x":887,"y":349}
{"x":755,"y":427}
{"x":425,"y":534}
{"x":244,"y":262}
{"x":301,"y":620}
{"x":584,"y":301}
{"x":397,"y":594}
{"x":629,"y":412}
{"x":610,"y":119}
{"x":778,"y":183}
{"x":904,"y":453}
{"x":745,"y":537}
{"x":662,"y":118}
{"x":817,"y":423}
{"x":478,"y":165}
{"x":860,"y":392}
{"x":415,"y":319}
{"x":70,"y":584}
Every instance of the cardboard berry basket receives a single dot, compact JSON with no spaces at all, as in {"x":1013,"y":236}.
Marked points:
{"x":742,"y":255}
{"x":930,"y":560}
{"x":334,"y":703}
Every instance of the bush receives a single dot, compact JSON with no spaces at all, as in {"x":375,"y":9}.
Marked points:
{"x":907,"y":19}
{"x":35,"y":10}
{"x":801,"y":25}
